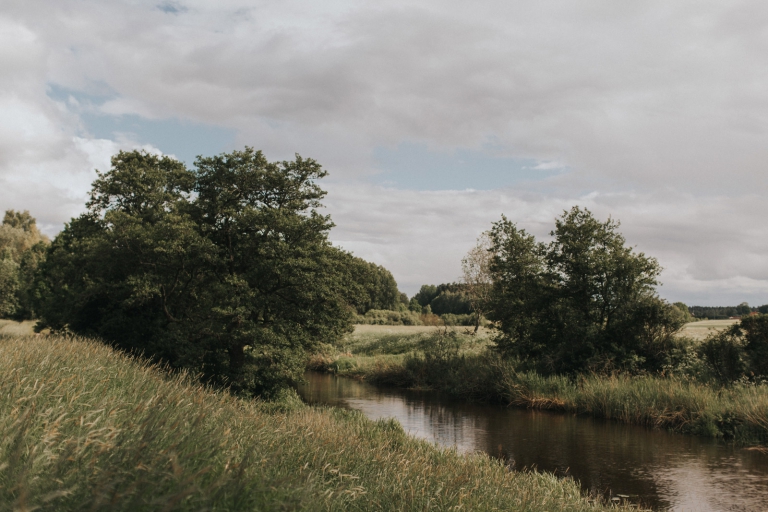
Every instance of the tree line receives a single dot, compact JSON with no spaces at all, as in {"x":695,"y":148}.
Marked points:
{"x":226,"y":270}
{"x":722,"y":312}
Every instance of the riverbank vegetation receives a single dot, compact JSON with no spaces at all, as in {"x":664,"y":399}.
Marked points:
{"x":467,"y":367}
{"x":578,"y":326}
{"x":85,"y":427}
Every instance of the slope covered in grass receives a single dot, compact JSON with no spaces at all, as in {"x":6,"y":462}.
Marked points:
{"x":83,"y":427}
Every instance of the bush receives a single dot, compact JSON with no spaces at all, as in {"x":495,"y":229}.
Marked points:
{"x":724,"y":355}
{"x":452,"y":320}
{"x":389,"y":317}
{"x":740,"y":351}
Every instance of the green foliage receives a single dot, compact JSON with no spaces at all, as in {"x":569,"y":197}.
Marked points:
{"x":446,"y":298}
{"x":724,"y":354}
{"x":9,"y":287}
{"x":456,"y":303}
{"x":374,"y":285}
{"x":684,"y":312}
{"x":426,"y":294}
{"x":741,"y":351}
{"x":22,"y":248}
{"x":583,"y":301}
{"x":450,"y":319}
{"x":225,"y":270}
{"x":389,"y":317}
{"x":462,"y":366}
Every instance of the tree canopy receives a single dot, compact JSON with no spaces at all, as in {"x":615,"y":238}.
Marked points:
{"x":585,"y":300}
{"x":22,"y":247}
{"x":225,"y":269}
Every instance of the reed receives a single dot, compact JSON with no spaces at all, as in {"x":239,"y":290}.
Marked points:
{"x":83,"y":427}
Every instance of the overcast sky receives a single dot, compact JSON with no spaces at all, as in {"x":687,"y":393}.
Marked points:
{"x":433,"y":118}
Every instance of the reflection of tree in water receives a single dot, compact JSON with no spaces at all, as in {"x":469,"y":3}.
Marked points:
{"x":451,"y":425}
{"x":665,"y":470}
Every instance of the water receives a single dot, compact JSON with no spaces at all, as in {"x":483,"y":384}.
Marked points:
{"x":658,"y":469}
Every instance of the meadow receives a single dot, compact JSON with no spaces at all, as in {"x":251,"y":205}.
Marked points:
{"x":460,"y":365}
{"x":84,"y":427}
{"x":702,"y":329}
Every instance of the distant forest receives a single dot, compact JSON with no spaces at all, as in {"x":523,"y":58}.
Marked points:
{"x":720,"y":312}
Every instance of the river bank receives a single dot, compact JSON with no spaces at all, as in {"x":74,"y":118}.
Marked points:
{"x":462,"y":366}
{"x":85,"y":427}
{"x":652,"y":467}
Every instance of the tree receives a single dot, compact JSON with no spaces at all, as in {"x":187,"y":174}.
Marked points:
{"x":377,"y":288}
{"x":685,"y":313}
{"x":476,"y":275}
{"x":583,"y":300}
{"x":225,"y":270}
{"x":426,"y":294}
{"x":520,"y":296}
{"x":22,"y":247}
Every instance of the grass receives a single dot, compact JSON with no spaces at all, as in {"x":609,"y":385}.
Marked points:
{"x":83,"y":427}
{"x":702,"y":329}
{"x":11,"y":328}
{"x":470,"y":371}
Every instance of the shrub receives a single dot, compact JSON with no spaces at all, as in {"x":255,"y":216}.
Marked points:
{"x":740,"y":351}
{"x":389,"y":317}
{"x":724,"y":355}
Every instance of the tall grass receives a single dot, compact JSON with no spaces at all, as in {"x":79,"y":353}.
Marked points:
{"x":83,"y":427}
{"x":738,"y":412}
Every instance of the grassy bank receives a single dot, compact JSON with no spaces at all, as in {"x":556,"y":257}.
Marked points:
{"x":462,"y":366}
{"x":83,"y":427}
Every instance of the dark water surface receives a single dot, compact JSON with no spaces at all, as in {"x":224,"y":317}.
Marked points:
{"x":665,"y":471}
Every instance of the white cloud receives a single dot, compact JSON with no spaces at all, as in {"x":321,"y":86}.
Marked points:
{"x":657,"y":110}
{"x":712,"y":251}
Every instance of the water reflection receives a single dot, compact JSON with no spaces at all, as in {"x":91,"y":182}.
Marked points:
{"x":665,"y":471}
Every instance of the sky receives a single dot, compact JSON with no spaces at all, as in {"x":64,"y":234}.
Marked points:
{"x":432,"y":118}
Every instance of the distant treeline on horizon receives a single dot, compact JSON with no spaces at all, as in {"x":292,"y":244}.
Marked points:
{"x":721,"y":312}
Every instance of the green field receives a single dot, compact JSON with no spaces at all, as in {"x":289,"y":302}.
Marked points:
{"x":83,"y":427}
{"x":697,"y":330}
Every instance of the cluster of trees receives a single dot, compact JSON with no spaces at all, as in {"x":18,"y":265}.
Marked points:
{"x":22,"y":248}
{"x":446,"y":298}
{"x":225,"y":269}
{"x":584,"y":301}
{"x":378,"y":287}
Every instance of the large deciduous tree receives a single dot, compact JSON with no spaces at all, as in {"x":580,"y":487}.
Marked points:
{"x":583,"y":301}
{"x":225,"y":270}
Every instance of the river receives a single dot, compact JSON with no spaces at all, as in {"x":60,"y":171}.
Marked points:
{"x":658,"y":469}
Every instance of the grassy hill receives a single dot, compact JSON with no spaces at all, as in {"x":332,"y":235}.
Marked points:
{"x":83,"y":427}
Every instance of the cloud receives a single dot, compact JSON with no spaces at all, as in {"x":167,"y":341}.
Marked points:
{"x":654,"y":112}
{"x":712,"y":252}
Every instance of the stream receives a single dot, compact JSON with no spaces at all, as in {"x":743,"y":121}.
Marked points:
{"x":658,"y":469}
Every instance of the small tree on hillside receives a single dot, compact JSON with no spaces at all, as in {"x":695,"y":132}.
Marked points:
{"x":476,"y":275}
